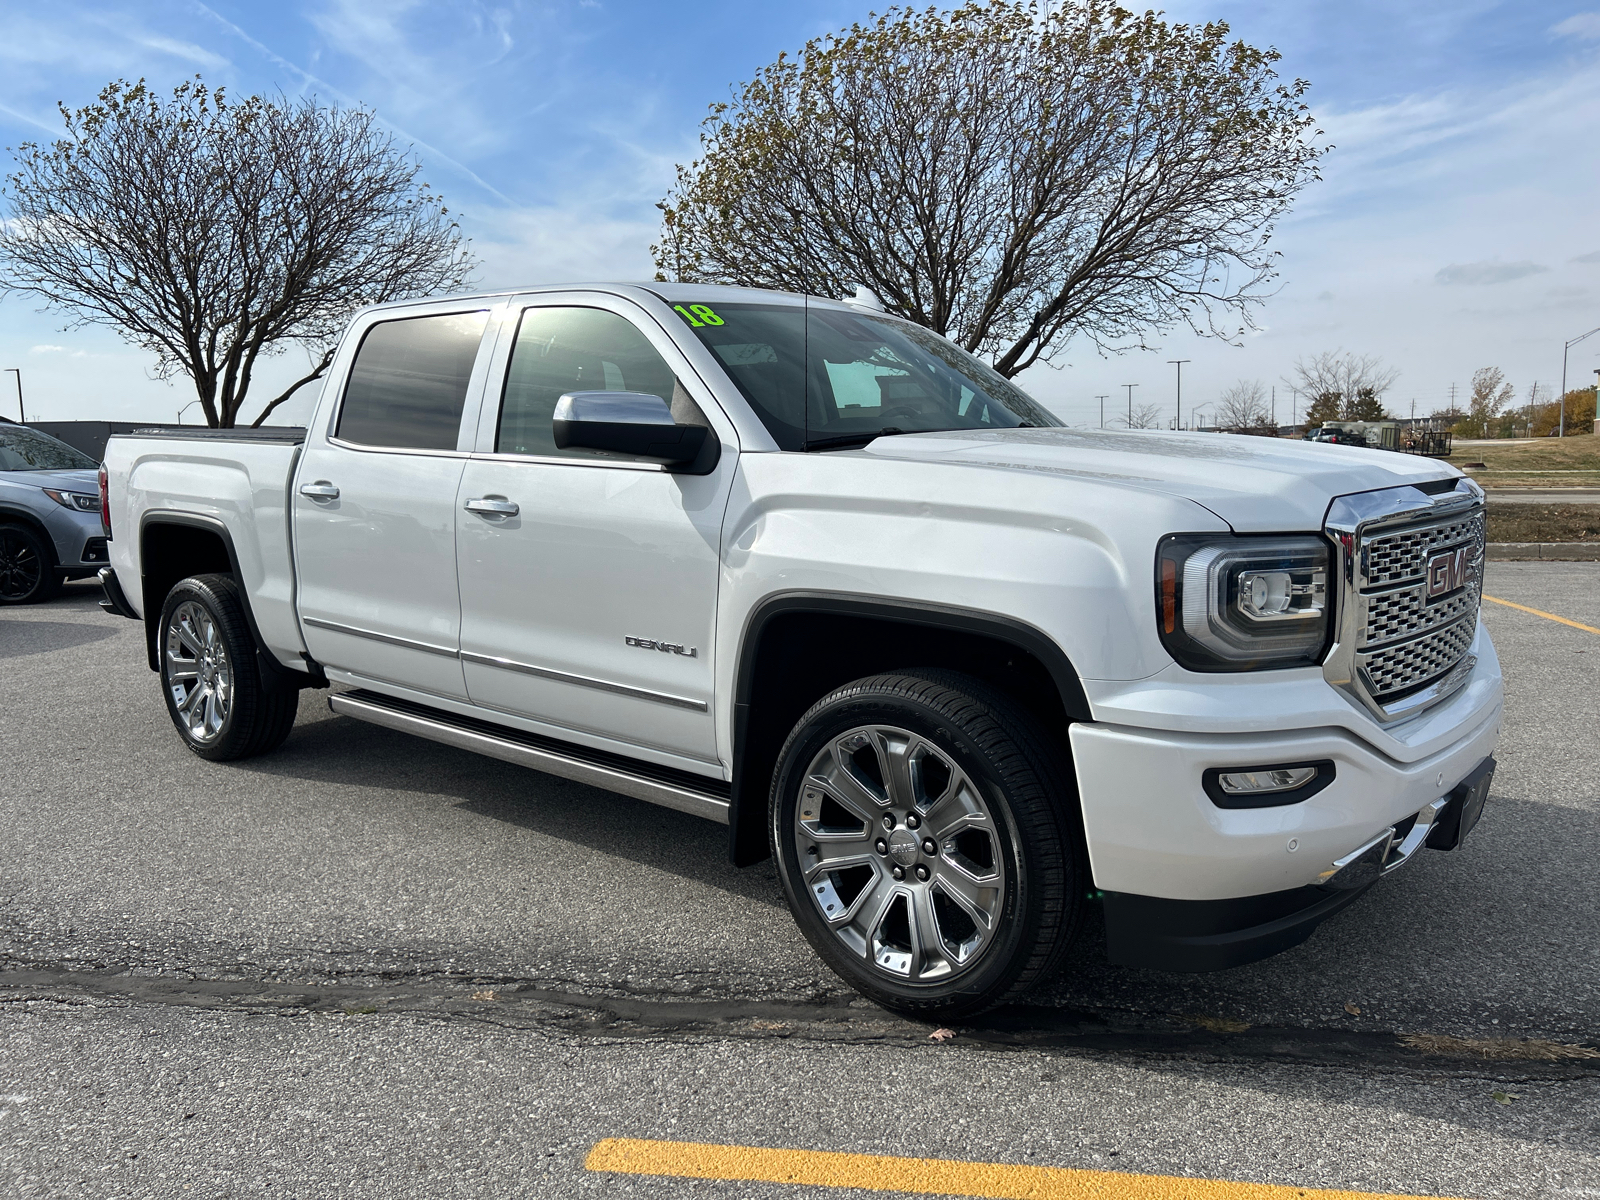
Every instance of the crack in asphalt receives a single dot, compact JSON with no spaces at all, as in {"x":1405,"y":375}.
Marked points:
{"x":522,"y":1005}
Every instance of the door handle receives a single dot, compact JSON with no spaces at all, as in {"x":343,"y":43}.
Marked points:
{"x":492,"y":506}
{"x":320,"y":490}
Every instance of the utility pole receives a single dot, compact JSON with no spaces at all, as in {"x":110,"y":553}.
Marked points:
{"x":1274,"y":406}
{"x":1102,"y":400}
{"x":1564,"y":350}
{"x":17,"y":371}
{"x":1130,"y":387}
{"x":1178,"y":362}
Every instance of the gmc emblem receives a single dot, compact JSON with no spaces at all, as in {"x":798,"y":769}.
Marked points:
{"x":1448,"y":571}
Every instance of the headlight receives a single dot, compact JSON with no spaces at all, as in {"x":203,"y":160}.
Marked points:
{"x":1242,"y":603}
{"x":82,"y":501}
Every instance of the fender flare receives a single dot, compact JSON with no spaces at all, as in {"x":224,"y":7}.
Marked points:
{"x":269,"y":668}
{"x":747,"y":839}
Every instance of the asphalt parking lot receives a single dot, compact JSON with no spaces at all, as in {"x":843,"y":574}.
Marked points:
{"x":372,"y":965}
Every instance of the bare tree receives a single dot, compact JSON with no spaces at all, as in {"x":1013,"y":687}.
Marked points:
{"x":1008,"y":174}
{"x":1343,"y":386}
{"x":212,"y":232}
{"x":1142,"y":416}
{"x":1243,"y":408}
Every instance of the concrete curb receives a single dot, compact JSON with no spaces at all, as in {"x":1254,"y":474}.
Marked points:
{"x":1544,"y":551}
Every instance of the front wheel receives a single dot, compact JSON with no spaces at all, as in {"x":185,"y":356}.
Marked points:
{"x":924,"y":837}
{"x":214,"y":691}
{"x":27,"y":570}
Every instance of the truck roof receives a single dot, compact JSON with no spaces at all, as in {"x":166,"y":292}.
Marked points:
{"x":671,"y":293}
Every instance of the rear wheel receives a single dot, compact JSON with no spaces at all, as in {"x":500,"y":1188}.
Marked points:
{"x":923,"y":833}
{"x":214,"y":691}
{"x":27,"y":568}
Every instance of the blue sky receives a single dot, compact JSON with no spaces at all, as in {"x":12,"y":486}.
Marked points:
{"x":1447,"y":234}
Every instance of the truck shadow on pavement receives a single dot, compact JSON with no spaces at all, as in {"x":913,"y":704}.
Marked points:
{"x":29,"y":636}
{"x":330,"y":749}
{"x":1499,"y":938}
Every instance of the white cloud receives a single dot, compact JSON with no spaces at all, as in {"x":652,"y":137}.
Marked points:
{"x":46,"y":349}
{"x":187,"y":51}
{"x":1584,"y":26}
{"x":1477,"y":273}
{"x":1592,"y":257}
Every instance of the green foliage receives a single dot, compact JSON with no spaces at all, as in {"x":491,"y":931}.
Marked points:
{"x":1328,"y":406}
{"x":1490,"y":394}
{"x":1010,"y":174}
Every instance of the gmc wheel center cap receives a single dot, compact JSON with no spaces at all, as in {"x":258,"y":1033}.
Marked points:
{"x":903,"y":846}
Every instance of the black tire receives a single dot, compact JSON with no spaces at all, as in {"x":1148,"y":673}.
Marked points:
{"x":202,"y":621}
{"x":1026,"y":822}
{"x":27,"y":567}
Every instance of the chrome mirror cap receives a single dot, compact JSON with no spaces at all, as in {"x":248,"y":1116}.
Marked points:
{"x":614,"y":408}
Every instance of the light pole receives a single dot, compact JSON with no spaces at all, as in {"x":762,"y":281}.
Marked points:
{"x":1194,"y":413}
{"x":1178,"y":362}
{"x":1102,"y":400}
{"x":1130,"y":387}
{"x":1564,"y":349}
{"x":17,"y":371}
{"x":185,"y":409}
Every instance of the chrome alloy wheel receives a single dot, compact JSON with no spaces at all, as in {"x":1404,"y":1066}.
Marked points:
{"x":198,"y":672}
{"x":900,"y":854}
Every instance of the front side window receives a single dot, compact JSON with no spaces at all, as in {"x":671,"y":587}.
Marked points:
{"x":24,"y":449}
{"x":823,"y":376}
{"x":408,"y":383}
{"x":569,"y":349}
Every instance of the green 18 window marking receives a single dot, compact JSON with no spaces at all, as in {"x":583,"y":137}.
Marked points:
{"x":697,"y":314}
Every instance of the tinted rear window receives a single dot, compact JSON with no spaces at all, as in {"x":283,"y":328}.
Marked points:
{"x":409,"y":381}
{"x":24,"y":449}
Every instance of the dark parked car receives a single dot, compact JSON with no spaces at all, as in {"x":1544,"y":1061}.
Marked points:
{"x":50,"y":529}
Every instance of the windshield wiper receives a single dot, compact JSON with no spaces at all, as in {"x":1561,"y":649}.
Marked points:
{"x":842,"y":440}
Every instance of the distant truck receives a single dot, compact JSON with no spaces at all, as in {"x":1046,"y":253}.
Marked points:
{"x":812,"y":571}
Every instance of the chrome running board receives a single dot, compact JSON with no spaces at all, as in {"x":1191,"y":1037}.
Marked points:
{"x":669,"y":788}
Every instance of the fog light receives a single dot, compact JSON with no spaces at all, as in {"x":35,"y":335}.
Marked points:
{"x":1265,"y":787}
{"x":1273,"y":779}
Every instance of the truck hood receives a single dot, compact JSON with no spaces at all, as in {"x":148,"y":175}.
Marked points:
{"x":1256,"y":484}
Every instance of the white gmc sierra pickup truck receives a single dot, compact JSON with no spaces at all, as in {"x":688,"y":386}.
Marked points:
{"x":812,"y":571}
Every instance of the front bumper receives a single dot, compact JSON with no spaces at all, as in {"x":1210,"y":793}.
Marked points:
{"x":1210,"y":935}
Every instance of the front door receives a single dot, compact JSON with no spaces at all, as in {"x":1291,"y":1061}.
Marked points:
{"x":375,"y":503}
{"x":589,"y":582}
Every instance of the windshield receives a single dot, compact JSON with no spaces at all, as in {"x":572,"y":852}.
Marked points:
{"x":24,"y":449}
{"x":820,"y":377}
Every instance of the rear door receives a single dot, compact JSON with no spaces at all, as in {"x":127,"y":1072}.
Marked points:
{"x":592,"y":607}
{"x":375,"y":498}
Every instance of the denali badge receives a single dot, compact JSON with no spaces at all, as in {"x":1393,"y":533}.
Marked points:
{"x":664,"y":647}
{"x":1448,"y":571}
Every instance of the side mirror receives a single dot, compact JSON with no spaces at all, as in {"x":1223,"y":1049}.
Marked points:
{"x":632,"y":423}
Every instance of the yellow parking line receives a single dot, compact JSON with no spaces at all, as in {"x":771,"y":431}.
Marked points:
{"x":939,"y":1177}
{"x":1540,"y":613}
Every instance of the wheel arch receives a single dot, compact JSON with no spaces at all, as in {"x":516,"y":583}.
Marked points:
{"x":798,"y":646}
{"x":15,"y":514}
{"x":175,"y":545}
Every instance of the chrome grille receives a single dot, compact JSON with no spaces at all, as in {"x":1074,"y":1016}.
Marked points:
{"x":1407,"y":641}
{"x":1396,"y":557}
{"x":1401,"y":613}
{"x":1395,"y":670}
{"x":1397,"y":651}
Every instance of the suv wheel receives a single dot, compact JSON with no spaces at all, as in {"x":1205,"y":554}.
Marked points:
{"x":923,"y":833}
{"x":209,"y":676}
{"x":27,"y":569}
